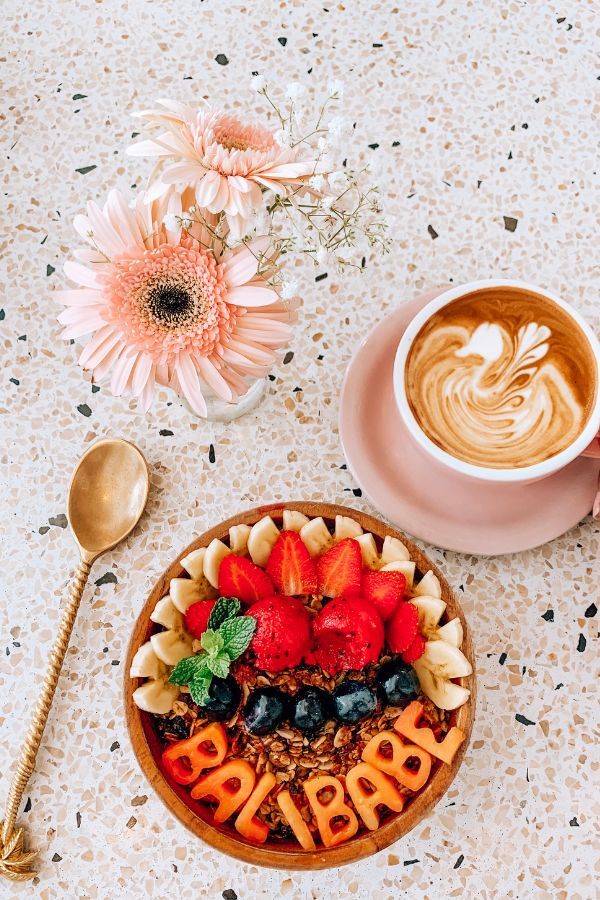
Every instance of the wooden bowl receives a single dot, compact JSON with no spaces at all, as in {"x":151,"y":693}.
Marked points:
{"x":194,"y":815}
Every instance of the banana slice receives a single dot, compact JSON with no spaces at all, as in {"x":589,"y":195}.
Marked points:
{"x":428,"y":586}
{"x":215,"y":554}
{"x":193,"y":563}
{"x":315,"y":536}
{"x":445,"y":694}
{"x":156,"y":696}
{"x":368,"y":548}
{"x":261,"y":539}
{"x":171,"y":646}
{"x":294,"y":520}
{"x":407,"y":568}
{"x":238,"y":539}
{"x":165,"y":613}
{"x":431,"y":610}
{"x":146,"y":664}
{"x":451,"y":632}
{"x":393,"y":550}
{"x":345,"y":527}
{"x":183,"y":593}
{"x":445,"y":660}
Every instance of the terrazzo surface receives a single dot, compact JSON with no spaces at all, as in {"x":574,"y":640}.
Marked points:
{"x":481,"y":118}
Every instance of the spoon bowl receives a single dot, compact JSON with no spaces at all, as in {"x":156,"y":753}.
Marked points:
{"x":107,"y":495}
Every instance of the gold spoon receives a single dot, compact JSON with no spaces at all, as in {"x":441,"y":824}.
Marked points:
{"x":107,"y":496}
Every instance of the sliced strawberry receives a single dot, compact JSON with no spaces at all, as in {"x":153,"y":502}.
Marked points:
{"x":348,"y":634}
{"x":240,"y":577}
{"x":331,"y":653}
{"x":290,"y":566}
{"x":282,"y":634}
{"x":384,"y":590}
{"x":339,"y":570}
{"x":402,"y":628}
{"x":197,"y":616}
{"x":415,"y":651}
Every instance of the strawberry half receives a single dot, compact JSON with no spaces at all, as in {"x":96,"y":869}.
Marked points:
{"x":415,"y":651}
{"x":402,"y":628}
{"x":240,"y":577}
{"x":292,"y":570}
{"x":384,"y":590}
{"x":197,"y":616}
{"x":340,"y":569}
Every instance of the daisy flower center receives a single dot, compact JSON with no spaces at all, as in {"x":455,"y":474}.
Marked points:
{"x":232,"y":135}
{"x":170,"y":299}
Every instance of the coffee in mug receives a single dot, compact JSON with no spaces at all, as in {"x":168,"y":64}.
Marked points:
{"x":501,"y":377}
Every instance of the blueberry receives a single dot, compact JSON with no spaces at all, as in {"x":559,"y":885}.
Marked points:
{"x":352,"y":701}
{"x":310,"y":709}
{"x":177,"y":727}
{"x":398,"y":682}
{"x":265,"y":709}
{"x":223,"y":698}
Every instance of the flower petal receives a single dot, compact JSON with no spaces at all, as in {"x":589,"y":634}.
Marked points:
{"x":99,"y":346}
{"x":141,"y":373}
{"x":89,"y":324}
{"x":207,"y":189}
{"x":182,"y":171}
{"x":213,"y":378}
{"x":240,"y":267}
{"x":122,"y":370}
{"x":78,"y":297}
{"x":146,"y":395}
{"x":82,"y":275}
{"x":251,"y":295}
{"x":190,"y":386}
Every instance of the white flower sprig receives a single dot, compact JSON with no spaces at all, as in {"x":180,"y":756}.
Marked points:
{"x":334,"y":217}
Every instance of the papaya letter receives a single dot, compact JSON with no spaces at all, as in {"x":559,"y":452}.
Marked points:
{"x":396,"y":763}
{"x":325,"y":813}
{"x":246,"y":823}
{"x":406,"y":725}
{"x":185,"y":760}
{"x":218,"y":784}
{"x":295,"y":820}
{"x":384,"y":793}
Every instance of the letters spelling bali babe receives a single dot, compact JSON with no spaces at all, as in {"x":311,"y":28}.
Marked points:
{"x":233,"y":785}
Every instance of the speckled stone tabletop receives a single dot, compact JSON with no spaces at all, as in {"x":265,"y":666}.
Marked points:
{"x":481,"y":117}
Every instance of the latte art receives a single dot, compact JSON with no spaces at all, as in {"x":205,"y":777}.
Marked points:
{"x":500,"y":381}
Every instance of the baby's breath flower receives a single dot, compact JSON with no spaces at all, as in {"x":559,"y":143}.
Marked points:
{"x":172,"y":222}
{"x":258,"y":83}
{"x":337,"y":181}
{"x":327,"y":201}
{"x":282,"y":136}
{"x":289,"y":290}
{"x":295,"y":91}
{"x":317,"y":182}
{"x":336,"y":89}
{"x":322,"y":256}
{"x":337,"y":125}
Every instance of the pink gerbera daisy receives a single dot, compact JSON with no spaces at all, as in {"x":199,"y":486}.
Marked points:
{"x":228,"y":163}
{"x":164,"y":307}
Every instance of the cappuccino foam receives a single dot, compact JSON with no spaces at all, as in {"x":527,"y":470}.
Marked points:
{"x":501,"y":378}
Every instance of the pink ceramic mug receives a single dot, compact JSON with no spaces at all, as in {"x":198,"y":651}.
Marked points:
{"x":587,"y":442}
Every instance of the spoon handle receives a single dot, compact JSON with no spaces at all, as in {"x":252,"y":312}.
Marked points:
{"x":15,"y":862}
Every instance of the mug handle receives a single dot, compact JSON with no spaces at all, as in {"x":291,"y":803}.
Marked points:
{"x":593,"y":450}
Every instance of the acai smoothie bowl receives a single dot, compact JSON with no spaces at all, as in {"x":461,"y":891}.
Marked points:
{"x":299,"y":686}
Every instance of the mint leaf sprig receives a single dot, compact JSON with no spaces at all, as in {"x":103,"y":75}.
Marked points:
{"x":226,"y":637}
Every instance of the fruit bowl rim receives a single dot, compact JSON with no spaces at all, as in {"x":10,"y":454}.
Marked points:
{"x":365,"y":843}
